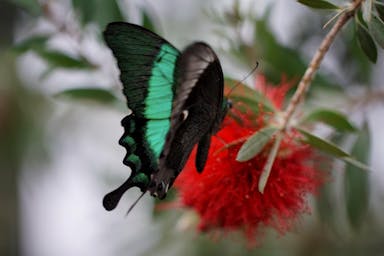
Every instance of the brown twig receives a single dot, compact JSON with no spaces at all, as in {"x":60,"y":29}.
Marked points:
{"x":315,"y":63}
{"x":304,"y":84}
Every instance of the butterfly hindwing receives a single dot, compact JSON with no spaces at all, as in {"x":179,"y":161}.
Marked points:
{"x":197,"y":109}
{"x":147,"y":66}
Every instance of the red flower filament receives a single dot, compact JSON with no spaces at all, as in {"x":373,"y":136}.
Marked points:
{"x":225,"y":195}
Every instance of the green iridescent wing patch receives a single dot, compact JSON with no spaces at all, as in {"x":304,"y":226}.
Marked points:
{"x":147,"y":64}
{"x":147,"y":71}
{"x":161,"y":84}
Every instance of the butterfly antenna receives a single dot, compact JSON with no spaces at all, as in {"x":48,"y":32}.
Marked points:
{"x":134,"y":204}
{"x":242,"y":80}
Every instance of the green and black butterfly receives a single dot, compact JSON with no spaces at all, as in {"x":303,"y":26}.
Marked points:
{"x":176,"y":100}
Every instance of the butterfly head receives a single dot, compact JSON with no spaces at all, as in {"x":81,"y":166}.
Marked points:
{"x":227,"y":104}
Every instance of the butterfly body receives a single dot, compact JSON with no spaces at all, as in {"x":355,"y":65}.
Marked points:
{"x":176,"y":100}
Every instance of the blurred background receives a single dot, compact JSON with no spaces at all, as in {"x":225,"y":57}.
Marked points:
{"x":61,"y":106}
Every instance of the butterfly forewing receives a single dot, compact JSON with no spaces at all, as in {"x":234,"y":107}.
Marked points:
{"x":147,"y":64}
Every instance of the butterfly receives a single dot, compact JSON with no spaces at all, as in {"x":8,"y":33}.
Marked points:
{"x":176,"y":100}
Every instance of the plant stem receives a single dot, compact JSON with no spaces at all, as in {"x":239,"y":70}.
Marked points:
{"x":303,"y":86}
{"x":315,"y":63}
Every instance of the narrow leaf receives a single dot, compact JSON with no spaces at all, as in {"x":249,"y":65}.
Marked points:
{"x":366,"y":8}
{"x":92,"y":94}
{"x":326,"y":205}
{"x":54,"y":58}
{"x":61,"y":60}
{"x":332,"y":149}
{"x":366,"y":43}
{"x":323,"y":145}
{"x":32,"y":43}
{"x":269,"y":164}
{"x":98,"y":11}
{"x":84,"y":9}
{"x":380,"y":10}
{"x":255,"y":143}
{"x":357,"y":182}
{"x":147,"y":21}
{"x":356,"y":163}
{"x":31,"y":6}
{"x":332,"y":118}
{"x":318,"y":4}
{"x":376,"y":27}
{"x":360,"y":19}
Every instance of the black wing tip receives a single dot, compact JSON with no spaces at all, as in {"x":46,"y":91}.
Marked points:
{"x":111,"y":200}
{"x":119,"y":25}
{"x":115,"y":27}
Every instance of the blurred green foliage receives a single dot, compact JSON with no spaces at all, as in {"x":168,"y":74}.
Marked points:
{"x":357,"y":182}
{"x":99,"y":11}
{"x":9,"y":150}
{"x":277,"y":60}
{"x":19,"y":129}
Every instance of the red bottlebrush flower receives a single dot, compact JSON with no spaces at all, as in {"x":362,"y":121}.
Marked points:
{"x":225,"y":195}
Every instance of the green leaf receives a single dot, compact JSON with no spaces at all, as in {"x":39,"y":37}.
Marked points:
{"x":84,"y":9}
{"x":55,"y":59}
{"x":326,"y":206}
{"x":269,"y":163}
{"x":323,"y":145}
{"x":100,"y":11}
{"x":327,"y":203}
{"x":360,"y":19}
{"x":147,"y":21}
{"x":58,"y":59}
{"x":366,"y":43}
{"x":318,"y":4}
{"x":332,"y":149}
{"x":356,"y":163}
{"x":366,"y":8}
{"x":332,"y":118}
{"x":92,"y":94}
{"x":376,"y":27}
{"x":380,"y":10}
{"x":31,"y":6}
{"x":255,"y":143}
{"x":356,"y":182}
{"x":32,"y":43}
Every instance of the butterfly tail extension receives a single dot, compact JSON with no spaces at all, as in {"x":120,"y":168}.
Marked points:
{"x":138,"y":177}
{"x":111,"y":199}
